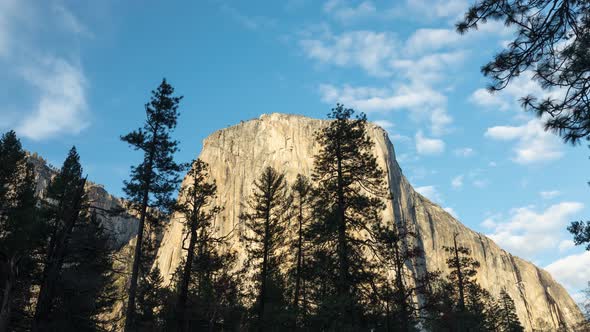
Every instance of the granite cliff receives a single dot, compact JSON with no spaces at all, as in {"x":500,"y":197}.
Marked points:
{"x":237,"y":154}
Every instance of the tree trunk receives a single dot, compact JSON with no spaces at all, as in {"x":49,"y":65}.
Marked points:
{"x":343,"y":282}
{"x":299,"y":263}
{"x":401,"y":289}
{"x":262,"y":295}
{"x":459,"y":276}
{"x":54,"y":263}
{"x":5,"y":310}
{"x":186,"y":274}
{"x":130,"y":310}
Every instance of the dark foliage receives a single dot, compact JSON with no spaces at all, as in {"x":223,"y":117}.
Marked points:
{"x":553,"y":41}
{"x":156,"y":178}
{"x":348,"y":203}
{"x":266,"y":221}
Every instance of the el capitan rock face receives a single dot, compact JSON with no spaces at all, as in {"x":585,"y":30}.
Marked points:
{"x":237,"y":155}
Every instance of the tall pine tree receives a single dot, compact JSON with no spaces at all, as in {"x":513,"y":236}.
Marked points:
{"x":266,"y":222}
{"x":21,"y":232}
{"x":302,"y":194}
{"x":349,"y":201}
{"x":508,"y":320}
{"x":63,"y":209}
{"x":403,"y":292}
{"x":85,"y":284}
{"x":197,"y":214}
{"x":155,"y":179}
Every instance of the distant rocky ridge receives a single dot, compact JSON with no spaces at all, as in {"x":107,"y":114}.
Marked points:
{"x":121,"y":228}
{"x":237,"y":155}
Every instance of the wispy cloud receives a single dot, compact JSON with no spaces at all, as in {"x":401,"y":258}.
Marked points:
{"x":549,"y":194}
{"x":529,"y":232}
{"x":464,"y":152}
{"x":247,"y":21}
{"x":457,"y":181}
{"x":71,"y":22}
{"x":345,"y":11}
{"x":430,"y":192}
{"x":572,"y":271}
{"x":62,"y":106}
{"x":534,"y":144}
{"x":428,"y":146}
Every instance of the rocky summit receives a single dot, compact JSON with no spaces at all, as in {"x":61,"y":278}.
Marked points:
{"x":237,"y":155}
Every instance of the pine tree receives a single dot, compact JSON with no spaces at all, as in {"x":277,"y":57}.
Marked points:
{"x":302,"y":203}
{"x":508,"y":320}
{"x":63,"y":209}
{"x":21,"y":232}
{"x":551,"y":41}
{"x":463,"y":269}
{"x":197,"y":214}
{"x":154,"y":180}
{"x":397,"y":249}
{"x":85,"y":284}
{"x":266,"y":223}
{"x":349,"y":201}
{"x":472,"y":303}
{"x":150,"y":299}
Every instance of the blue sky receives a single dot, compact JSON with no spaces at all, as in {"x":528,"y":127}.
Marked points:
{"x":76,"y":73}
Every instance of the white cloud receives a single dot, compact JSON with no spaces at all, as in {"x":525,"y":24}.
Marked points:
{"x":416,"y":76}
{"x":483,"y":97}
{"x":430,"y":192}
{"x":344,"y":11}
{"x":572,"y":271}
{"x":424,"y":103}
{"x":431,"y":39}
{"x":62,"y":106}
{"x":71,"y":22}
{"x":509,"y":97}
{"x":366,"y":49}
{"x":438,"y":8}
{"x":385,"y":124}
{"x":464,"y":152}
{"x":429,"y":68}
{"x":534,"y":144}
{"x":428,"y":146}
{"x":566,"y":245}
{"x":457,"y":181}
{"x":370,"y":99}
{"x":451,"y":212}
{"x":550,"y":194}
{"x":480,"y":183}
{"x":492,"y":164}
{"x":527,"y":232}
{"x":247,"y":21}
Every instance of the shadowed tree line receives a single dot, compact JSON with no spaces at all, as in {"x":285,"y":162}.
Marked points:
{"x":318,"y":255}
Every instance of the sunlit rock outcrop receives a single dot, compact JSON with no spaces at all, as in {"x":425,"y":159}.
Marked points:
{"x":238,"y":154}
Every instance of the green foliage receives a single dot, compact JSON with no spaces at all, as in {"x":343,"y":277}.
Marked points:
{"x":506,"y":314}
{"x":348,"y":202}
{"x":154,"y":180}
{"x":581,"y":232}
{"x":207,"y":291}
{"x":21,"y":233}
{"x":552,"y":41}
{"x":150,"y":299}
{"x":85,"y":285}
{"x":62,"y":211}
{"x":397,"y":250}
{"x":266,"y":220}
{"x":297,"y":275}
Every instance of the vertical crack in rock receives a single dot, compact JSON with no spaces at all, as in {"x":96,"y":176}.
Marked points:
{"x":521,"y":289}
